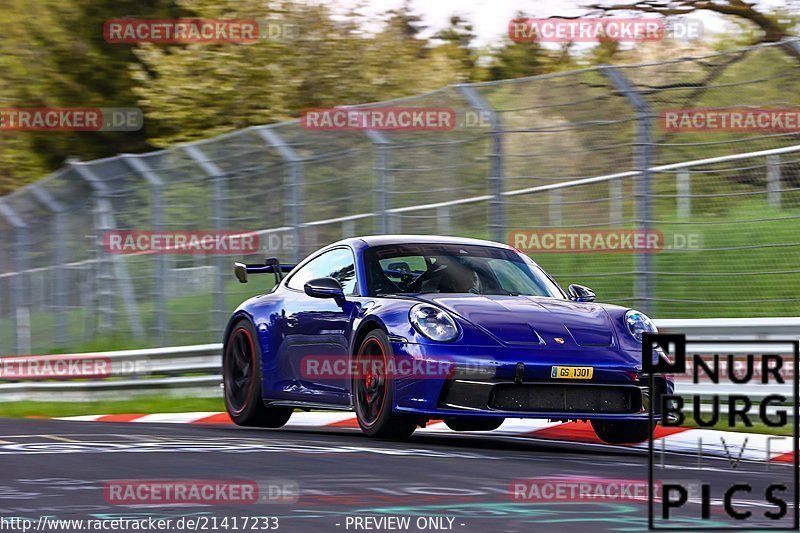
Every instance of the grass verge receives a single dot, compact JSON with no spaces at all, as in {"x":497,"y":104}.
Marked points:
{"x":138,"y":405}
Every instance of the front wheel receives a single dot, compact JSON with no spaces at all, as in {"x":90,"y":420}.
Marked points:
{"x":373,"y":391}
{"x":241,"y":380}
{"x":621,"y":431}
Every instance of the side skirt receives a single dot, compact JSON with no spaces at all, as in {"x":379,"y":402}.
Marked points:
{"x":308,"y":405}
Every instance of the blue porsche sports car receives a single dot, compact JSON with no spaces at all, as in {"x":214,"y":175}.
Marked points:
{"x":403,"y":329}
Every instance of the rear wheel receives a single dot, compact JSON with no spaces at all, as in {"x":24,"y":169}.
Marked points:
{"x":241,"y":379}
{"x":621,"y":431}
{"x":464,"y":423}
{"x":373,"y":391}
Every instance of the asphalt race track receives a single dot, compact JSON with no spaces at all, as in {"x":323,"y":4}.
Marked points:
{"x":59,"y":469}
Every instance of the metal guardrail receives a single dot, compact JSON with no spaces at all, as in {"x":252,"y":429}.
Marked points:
{"x":180,"y":371}
{"x":194,"y":371}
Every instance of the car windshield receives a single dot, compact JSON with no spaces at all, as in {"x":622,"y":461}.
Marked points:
{"x":454,"y":268}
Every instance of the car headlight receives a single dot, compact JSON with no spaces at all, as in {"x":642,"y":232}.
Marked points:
{"x":433,"y":323}
{"x":639,"y":323}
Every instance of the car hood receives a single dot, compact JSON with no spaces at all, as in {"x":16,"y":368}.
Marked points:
{"x":531,"y":320}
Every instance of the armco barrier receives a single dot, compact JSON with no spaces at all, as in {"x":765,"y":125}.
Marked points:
{"x":194,"y":371}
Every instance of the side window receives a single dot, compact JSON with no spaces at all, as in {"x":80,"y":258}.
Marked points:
{"x":336,"y":264}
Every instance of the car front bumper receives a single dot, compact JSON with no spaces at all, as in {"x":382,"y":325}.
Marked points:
{"x":518,"y":385}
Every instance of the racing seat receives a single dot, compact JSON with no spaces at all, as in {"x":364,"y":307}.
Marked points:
{"x":381,"y":283}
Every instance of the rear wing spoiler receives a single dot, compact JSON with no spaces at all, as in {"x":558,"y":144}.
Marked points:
{"x":270,"y":266}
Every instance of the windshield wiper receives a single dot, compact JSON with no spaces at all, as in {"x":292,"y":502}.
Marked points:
{"x":504,"y":292}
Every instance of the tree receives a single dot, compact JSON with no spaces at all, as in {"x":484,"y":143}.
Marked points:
{"x":200,"y":90}
{"x":53,"y":54}
{"x":773,"y":27}
{"x":405,"y":22}
{"x":457,"y":43}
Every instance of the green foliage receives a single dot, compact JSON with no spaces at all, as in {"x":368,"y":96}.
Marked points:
{"x":202,"y":90}
{"x":145,"y":405}
{"x":53,"y":54}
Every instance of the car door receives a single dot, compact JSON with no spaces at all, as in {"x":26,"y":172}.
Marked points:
{"x":318,"y":328}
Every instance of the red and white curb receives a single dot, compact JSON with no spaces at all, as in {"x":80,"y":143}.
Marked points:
{"x":729,"y":444}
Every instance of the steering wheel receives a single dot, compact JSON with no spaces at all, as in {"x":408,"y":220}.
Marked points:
{"x":406,"y":278}
{"x":416,"y":285}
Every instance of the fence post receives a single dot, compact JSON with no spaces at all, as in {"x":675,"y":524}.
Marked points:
{"x":615,"y":202}
{"x":105,"y":222}
{"x":554,"y":198}
{"x":294,"y":186}
{"x":683,"y":186}
{"x":217,"y":176}
{"x":58,"y":229}
{"x":348,"y":229}
{"x":310,"y":236}
{"x":774,"y":180}
{"x":443,"y":220}
{"x":157,"y":219}
{"x":104,"y":277}
{"x":383,"y":183}
{"x":497,"y":215}
{"x":7,"y":294}
{"x":20,"y":307}
{"x":643,"y":288}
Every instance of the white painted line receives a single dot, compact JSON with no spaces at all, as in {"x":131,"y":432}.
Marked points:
{"x":173,"y":418}
{"x":733,"y":445}
{"x":82,"y":418}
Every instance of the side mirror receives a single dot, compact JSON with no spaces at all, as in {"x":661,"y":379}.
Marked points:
{"x":240,"y":270}
{"x":579,"y":293}
{"x":325,"y":288}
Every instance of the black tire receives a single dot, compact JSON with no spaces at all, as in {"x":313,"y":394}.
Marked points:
{"x":621,"y":431}
{"x":475,"y":423}
{"x":373,"y":393}
{"x":241,"y":379}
